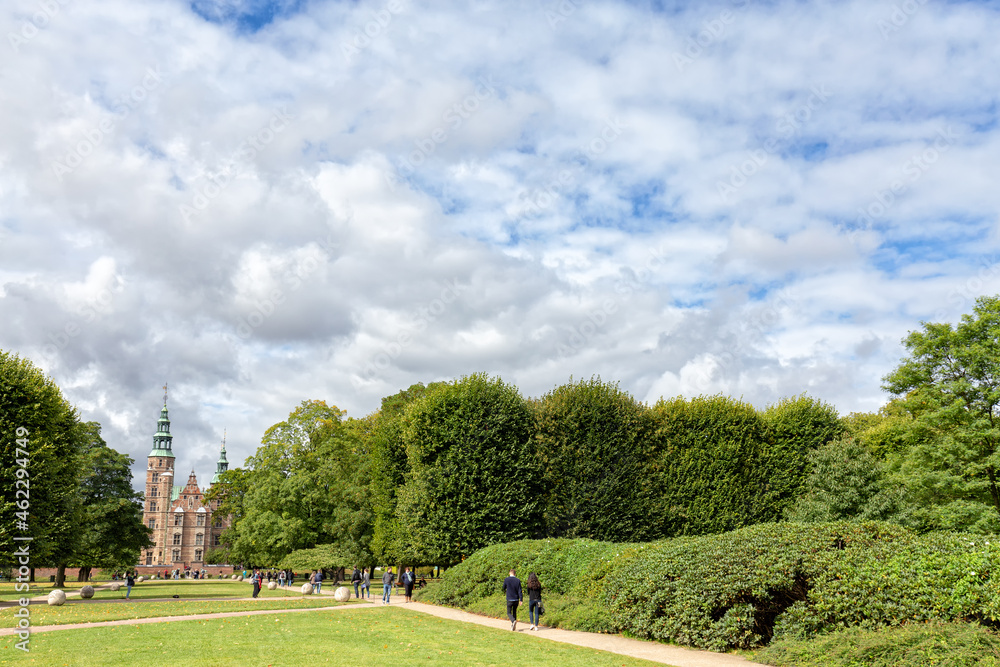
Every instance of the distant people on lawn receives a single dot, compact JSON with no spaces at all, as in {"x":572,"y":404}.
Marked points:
{"x":387,"y":580}
{"x":256,"y":582}
{"x":356,"y":580}
{"x":317,"y":580}
{"x":408,"y":580}
{"x":534,"y":600}
{"x":129,"y":583}
{"x":366,"y":583}
{"x":281,"y":578}
{"x":512,"y":588}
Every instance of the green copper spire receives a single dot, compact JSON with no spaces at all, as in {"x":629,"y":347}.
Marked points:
{"x":162,"y":440}
{"x":223,"y":465}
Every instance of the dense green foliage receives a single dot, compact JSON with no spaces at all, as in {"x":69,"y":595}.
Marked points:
{"x":306,"y":485}
{"x":50,"y":435}
{"x":715,"y":466}
{"x":596,"y":454}
{"x":797,"y":427}
{"x":912,"y":645}
{"x":110,"y":510}
{"x":740,"y":589}
{"x":469,"y":483}
{"x":950,"y":384}
{"x":846,"y":482}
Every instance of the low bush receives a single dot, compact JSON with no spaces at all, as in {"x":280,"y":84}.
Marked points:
{"x":911,"y":645}
{"x":743,"y":588}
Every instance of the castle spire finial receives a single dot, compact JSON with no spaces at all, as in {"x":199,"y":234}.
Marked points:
{"x":164,"y":393}
{"x":223,"y":439}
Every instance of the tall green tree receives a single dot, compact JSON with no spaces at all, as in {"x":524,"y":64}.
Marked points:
{"x":472,"y":472}
{"x":306,"y":485}
{"x":112,"y":534}
{"x":797,"y":427}
{"x":34,"y":417}
{"x":715,"y":471}
{"x":391,"y":541}
{"x":596,"y":453}
{"x":950,"y":384}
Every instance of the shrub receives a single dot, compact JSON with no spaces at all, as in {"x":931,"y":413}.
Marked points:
{"x":914,"y":645}
{"x":743,"y":588}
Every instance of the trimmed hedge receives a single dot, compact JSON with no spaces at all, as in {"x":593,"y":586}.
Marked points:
{"x":740,"y":589}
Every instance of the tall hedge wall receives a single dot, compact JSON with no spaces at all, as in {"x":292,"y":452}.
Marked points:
{"x":742,"y":588}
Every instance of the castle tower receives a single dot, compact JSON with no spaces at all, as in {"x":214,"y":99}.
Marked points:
{"x":159,"y":486}
{"x":223,"y":465}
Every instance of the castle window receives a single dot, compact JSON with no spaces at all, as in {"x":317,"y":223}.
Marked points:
{"x":178,"y":519}
{"x":155,"y":479}
{"x":152,"y":523}
{"x":201,"y":519}
{"x":197,"y":555}
{"x":199,"y":539}
{"x":218,"y":541}
{"x":190,"y":504}
{"x":149,"y":558}
{"x":153,"y":492}
{"x":152,"y":505}
{"x":177,"y":539}
{"x":177,"y":555}
{"x":218,"y":523}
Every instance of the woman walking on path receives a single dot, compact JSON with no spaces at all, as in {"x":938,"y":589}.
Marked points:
{"x":408,"y":580}
{"x":129,"y":583}
{"x":366,"y":584}
{"x":534,"y":600}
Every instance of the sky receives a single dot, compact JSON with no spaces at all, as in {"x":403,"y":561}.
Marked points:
{"x":261,"y":203}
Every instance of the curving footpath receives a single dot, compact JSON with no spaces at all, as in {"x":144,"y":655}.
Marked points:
{"x":645,"y":650}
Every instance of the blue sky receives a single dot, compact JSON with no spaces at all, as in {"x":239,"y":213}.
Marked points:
{"x":263,"y":202}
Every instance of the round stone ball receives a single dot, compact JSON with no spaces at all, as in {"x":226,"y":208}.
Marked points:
{"x":140,"y":580}
{"x":307,"y":588}
{"x":342,"y":594}
{"x":87,"y":592}
{"x":234,"y":576}
{"x":57,"y":598}
{"x":115,"y":587}
{"x":271,"y":585}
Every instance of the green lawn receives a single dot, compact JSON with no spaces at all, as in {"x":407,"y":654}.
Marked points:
{"x":383,"y":636}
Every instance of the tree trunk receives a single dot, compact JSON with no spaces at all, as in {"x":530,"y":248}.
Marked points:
{"x":61,"y":576}
{"x":83,"y":574}
{"x":31,"y":575}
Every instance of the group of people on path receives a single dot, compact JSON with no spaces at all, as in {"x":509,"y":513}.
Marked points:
{"x":515,"y":596}
{"x":408,"y":578}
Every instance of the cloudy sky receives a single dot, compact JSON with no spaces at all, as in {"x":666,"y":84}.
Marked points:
{"x":266,"y":202}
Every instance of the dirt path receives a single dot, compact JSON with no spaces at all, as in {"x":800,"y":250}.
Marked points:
{"x":652,"y":651}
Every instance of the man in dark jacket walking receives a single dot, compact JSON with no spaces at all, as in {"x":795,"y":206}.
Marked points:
{"x":512,"y":587}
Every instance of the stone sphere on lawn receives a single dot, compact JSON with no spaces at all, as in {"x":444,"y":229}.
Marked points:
{"x":140,"y":580}
{"x":87,"y":592}
{"x":234,"y":576}
{"x":239,"y":578}
{"x":307,"y":588}
{"x":271,"y":585}
{"x":56,"y":598}
{"x":115,"y":587}
{"x":342,"y":594}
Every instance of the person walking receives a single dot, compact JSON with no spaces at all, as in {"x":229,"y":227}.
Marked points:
{"x":317,"y":581}
{"x":387,"y":580}
{"x":534,"y":600}
{"x":512,"y":587}
{"x":366,"y":583}
{"x":129,"y":583}
{"x":281,"y":578}
{"x":408,"y":579}
{"x":256,"y":582}
{"x":356,"y":580}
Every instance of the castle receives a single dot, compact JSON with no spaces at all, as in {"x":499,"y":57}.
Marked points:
{"x":184,"y":526}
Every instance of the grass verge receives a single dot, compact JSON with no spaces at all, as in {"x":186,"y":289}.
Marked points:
{"x":154,"y":589}
{"x":386,"y":636}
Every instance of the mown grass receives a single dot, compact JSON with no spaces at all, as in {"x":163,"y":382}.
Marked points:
{"x":912,"y":645}
{"x":384,"y":636}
